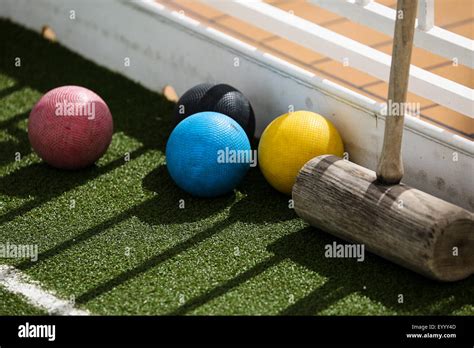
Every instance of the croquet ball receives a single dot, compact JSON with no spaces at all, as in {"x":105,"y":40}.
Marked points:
{"x":220,"y":98}
{"x":290,"y":141}
{"x":190,"y":102}
{"x":70,"y":127}
{"x":202,"y":154}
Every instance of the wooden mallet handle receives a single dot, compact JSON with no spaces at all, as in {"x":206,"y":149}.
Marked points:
{"x":390,"y":166}
{"x":398,"y":222}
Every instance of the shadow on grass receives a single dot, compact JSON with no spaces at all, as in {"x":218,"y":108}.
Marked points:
{"x":10,"y":90}
{"x":377,"y":279}
{"x":163,"y":209}
{"x":9,"y":148}
{"x":254,"y":207}
{"x":137,"y":112}
{"x":44,"y":183}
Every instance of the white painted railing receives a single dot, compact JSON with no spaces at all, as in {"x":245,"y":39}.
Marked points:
{"x":362,"y":57}
{"x":426,"y":16}
{"x":427,"y":36}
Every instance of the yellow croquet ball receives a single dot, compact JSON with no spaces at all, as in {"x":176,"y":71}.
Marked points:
{"x":290,"y":141}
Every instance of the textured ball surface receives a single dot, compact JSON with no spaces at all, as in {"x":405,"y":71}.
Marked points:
{"x":190,"y":102}
{"x":195,"y":154}
{"x":70,"y":127}
{"x":220,"y":98}
{"x":290,"y":141}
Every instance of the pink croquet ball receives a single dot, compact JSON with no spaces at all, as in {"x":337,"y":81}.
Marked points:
{"x":70,"y":127}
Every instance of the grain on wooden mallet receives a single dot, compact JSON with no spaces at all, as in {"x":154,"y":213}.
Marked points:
{"x":405,"y":225}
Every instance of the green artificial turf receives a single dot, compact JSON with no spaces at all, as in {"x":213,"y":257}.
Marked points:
{"x":11,"y":304}
{"x":113,"y":235}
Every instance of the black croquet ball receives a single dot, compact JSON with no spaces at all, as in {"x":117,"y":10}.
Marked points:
{"x":220,"y":98}
{"x":190,"y":102}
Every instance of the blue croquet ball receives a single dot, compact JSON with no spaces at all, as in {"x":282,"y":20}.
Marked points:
{"x":208,"y":154}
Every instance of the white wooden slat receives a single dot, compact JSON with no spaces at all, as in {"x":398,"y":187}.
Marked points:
{"x":362,"y":2}
{"x":425,"y":14}
{"x":428,"y":85}
{"x":382,"y":18}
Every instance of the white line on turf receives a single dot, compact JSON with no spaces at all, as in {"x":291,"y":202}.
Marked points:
{"x":19,"y":283}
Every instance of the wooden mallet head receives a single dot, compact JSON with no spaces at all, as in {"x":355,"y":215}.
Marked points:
{"x":400,"y":223}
